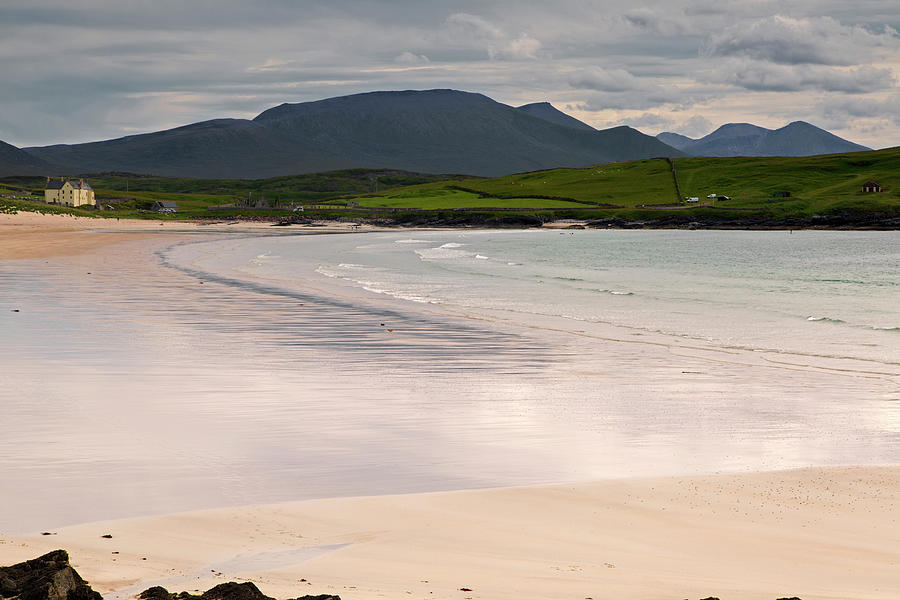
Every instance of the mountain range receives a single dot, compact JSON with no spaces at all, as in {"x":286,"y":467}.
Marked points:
{"x":743,"y":139}
{"x":430,"y":131}
{"x":433,"y":131}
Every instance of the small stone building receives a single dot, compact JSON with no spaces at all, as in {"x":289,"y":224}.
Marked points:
{"x":871,"y":186}
{"x":69,"y":193}
{"x":165,"y":206}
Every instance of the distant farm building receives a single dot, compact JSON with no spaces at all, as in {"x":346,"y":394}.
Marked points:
{"x":165,"y":206}
{"x":69,"y":193}
{"x":692,"y":199}
{"x":871,"y":186}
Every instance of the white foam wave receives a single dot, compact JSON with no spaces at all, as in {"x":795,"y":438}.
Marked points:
{"x":480,"y":256}
{"x":261,"y":259}
{"x":442,"y":253}
{"x":411,"y":241}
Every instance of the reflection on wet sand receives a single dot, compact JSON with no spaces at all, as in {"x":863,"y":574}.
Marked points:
{"x":138,"y":387}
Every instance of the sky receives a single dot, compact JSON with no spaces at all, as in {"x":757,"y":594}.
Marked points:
{"x":83,"y":70}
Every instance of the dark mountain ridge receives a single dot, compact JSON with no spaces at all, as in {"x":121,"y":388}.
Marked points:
{"x":744,"y":139}
{"x":14,"y":161}
{"x":431,"y":131}
{"x":548,"y":112}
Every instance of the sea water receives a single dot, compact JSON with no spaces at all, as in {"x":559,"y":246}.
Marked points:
{"x":247,"y":369}
{"x":810,"y":292}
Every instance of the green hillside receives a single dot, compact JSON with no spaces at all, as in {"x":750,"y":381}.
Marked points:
{"x":773,"y":187}
{"x":761,"y":192}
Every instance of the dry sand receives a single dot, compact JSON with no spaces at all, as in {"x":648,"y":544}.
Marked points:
{"x":35,"y":235}
{"x":823,"y":533}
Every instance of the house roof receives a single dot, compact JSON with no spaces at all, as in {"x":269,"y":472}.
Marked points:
{"x":57,"y":184}
{"x":166,"y":204}
{"x":871,"y":183}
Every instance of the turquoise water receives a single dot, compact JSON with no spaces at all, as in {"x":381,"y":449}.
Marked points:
{"x":822,"y":293}
{"x":238,"y":370}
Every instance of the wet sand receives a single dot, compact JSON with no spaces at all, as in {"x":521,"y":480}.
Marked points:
{"x":817,"y":533}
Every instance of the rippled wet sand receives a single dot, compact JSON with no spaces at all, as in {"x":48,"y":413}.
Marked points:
{"x":132,"y":387}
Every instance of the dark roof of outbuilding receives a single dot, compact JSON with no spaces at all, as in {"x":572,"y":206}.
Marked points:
{"x":871,"y":183}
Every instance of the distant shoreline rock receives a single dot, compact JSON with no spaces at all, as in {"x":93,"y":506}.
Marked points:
{"x":224,"y":591}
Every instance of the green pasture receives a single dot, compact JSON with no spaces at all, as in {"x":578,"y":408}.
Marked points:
{"x":775,"y":187}
{"x":816,"y":183}
{"x":448,"y":198}
{"x":617,"y":184}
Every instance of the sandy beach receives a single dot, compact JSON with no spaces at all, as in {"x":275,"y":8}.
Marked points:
{"x":824,"y":533}
{"x":815,"y":533}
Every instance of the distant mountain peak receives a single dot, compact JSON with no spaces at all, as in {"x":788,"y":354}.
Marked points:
{"x":797,"y":138}
{"x":548,"y":112}
{"x":383,"y":100}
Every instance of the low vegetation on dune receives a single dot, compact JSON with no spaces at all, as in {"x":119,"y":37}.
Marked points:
{"x":819,"y":190}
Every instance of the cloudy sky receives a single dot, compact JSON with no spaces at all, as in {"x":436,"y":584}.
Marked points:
{"x":82,"y":70}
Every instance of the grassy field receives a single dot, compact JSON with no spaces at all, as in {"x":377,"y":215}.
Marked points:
{"x":777,"y":189}
{"x":617,"y":184}
{"x":766,"y":187}
{"x":452,"y":198}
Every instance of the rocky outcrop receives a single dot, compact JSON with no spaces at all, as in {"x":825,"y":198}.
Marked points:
{"x":49,"y":577}
{"x":223,"y":591}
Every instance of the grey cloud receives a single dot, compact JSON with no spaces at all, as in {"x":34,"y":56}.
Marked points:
{"x":608,"y":80}
{"x":844,"y":109}
{"x":657,"y":22}
{"x":650,"y":121}
{"x":787,"y":40}
{"x":673,"y":98}
{"x":498,"y":43}
{"x":759,"y":76}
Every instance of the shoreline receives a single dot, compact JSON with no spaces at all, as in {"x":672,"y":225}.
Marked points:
{"x":36,"y":235}
{"x":820,"y":533}
{"x":816,"y":533}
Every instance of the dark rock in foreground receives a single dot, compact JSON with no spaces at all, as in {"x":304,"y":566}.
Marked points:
{"x":223,"y":591}
{"x":49,"y":577}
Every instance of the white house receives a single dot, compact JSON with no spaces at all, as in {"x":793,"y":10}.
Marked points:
{"x":69,"y":193}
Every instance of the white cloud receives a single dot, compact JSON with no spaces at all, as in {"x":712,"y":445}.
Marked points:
{"x":696,"y":127}
{"x":408,"y":58}
{"x":473,"y":27}
{"x":523,"y":47}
